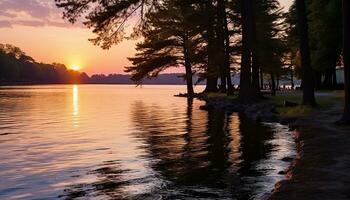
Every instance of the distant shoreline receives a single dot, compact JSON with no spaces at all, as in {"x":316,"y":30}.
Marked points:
{"x":38,"y":84}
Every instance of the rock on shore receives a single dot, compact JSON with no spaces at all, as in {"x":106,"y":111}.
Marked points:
{"x":261,"y":112}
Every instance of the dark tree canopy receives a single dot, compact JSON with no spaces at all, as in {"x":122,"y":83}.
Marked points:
{"x":108,"y":19}
{"x":212,"y":38}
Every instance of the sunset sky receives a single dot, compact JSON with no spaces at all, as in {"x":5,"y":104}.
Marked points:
{"x":37,"y":28}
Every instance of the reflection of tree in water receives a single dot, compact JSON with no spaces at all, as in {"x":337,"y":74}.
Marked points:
{"x":201,"y":157}
{"x":254,"y":145}
{"x":192,"y":153}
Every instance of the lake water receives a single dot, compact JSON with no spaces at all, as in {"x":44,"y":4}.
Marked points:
{"x":123,"y":142}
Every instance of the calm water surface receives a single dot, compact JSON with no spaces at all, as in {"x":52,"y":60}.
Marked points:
{"x":122,"y":142}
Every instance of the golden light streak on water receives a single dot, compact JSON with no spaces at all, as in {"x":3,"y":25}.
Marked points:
{"x":75,"y":101}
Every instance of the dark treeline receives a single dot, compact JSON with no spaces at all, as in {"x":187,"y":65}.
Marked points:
{"x":213,"y":38}
{"x":161,"y":79}
{"x":18,"y":68}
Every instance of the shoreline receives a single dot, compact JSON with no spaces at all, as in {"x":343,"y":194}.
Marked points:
{"x":321,"y":168}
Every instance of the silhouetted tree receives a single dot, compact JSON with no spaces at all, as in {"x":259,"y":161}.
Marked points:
{"x":170,"y":42}
{"x":325,"y":38}
{"x":324,"y":19}
{"x":307,"y":73}
{"x":226,"y":45}
{"x":246,"y":90}
{"x":212,"y":68}
{"x":269,"y":45}
{"x":108,"y":19}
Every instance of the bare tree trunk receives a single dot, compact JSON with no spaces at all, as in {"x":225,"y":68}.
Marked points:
{"x":334,"y":72}
{"x":212,"y":76}
{"x":292,"y":77}
{"x":261,"y":78}
{"x":245,"y":92}
{"x":221,"y":44}
{"x":346,"y":57}
{"x":255,"y":62}
{"x":255,"y":76}
{"x":330,"y":79}
{"x":307,"y":73}
{"x":188,"y":67}
{"x":230,"y":88}
{"x":273,"y":85}
{"x":318,"y":80}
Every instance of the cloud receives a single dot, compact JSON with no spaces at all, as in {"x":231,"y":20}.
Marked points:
{"x":5,"y":24}
{"x":34,"y":13}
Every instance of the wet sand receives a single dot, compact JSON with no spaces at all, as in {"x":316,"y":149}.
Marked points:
{"x":322,"y":168}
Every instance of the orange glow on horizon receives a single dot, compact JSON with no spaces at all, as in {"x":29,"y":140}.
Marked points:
{"x":75,"y":67}
{"x":69,"y":46}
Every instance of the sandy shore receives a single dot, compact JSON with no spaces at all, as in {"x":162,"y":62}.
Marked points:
{"x":322,"y":169}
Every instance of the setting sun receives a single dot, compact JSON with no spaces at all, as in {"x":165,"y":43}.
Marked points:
{"x":75,"y":67}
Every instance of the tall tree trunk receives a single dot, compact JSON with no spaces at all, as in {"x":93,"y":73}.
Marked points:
{"x":346,"y":57}
{"x":220,"y":59}
{"x":261,"y":78}
{"x":245,"y":92}
{"x":212,"y":76}
{"x":255,"y":76}
{"x":221,"y":45}
{"x":334,"y":78}
{"x":328,"y":82}
{"x":307,"y":72}
{"x":230,"y":88}
{"x":292,"y":77}
{"x":318,"y":80}
{"x":273,"y":85}
{"x":188,"y":67}
{"x":255,"y":61}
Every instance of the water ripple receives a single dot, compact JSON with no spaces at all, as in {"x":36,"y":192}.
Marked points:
{"x":122,"y":142}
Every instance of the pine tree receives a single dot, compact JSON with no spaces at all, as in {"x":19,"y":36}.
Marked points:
{"x":307,"y":73}
{"x":246,"y":90}
{"x":169,"y":42}
{"x":269,"y":45}
{"x":108,"y":19}
{"x":325,"y":38}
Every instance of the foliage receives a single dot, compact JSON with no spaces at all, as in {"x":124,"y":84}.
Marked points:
{"x":270,"y":44}
{"x":166,"y":43}
{"x":325,"y":33}
{"x":108,"y":19}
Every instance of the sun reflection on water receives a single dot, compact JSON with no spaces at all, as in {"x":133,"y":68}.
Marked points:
{"x":75,"y":100}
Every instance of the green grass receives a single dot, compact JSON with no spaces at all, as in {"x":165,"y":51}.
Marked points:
{"x":298,"y":111}
{"x":220,"y":95}
{"x":325,"y":99}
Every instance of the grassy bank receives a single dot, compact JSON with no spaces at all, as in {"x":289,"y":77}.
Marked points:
{"x":325,"y":100}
